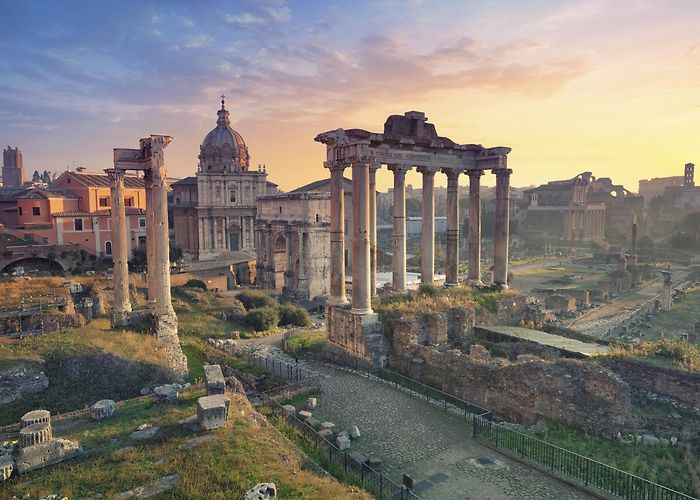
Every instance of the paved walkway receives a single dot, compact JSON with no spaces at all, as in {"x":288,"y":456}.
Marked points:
{"x":434,"y":448}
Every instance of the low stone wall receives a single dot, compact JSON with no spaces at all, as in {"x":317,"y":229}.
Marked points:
{"x":359,"y":335}
{"x":681,"y":385}
{"x":47,"y":322}
{"x":576,"y":393}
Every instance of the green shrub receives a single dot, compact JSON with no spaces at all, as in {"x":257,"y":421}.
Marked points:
{"x":262,"y":318}
{"x":254,"y":300}
{"x":193,"y":283}
{"x":428,"y":290}
{"x":294,"y":315}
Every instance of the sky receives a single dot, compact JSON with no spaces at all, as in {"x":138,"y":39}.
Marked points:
{"x":607,"y":86}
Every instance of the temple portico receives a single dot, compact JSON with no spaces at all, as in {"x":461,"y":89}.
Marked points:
{"x":407,"y":142}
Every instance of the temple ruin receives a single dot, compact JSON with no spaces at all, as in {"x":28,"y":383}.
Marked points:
{"x":148,"y":159}
{"x":407,"y":142}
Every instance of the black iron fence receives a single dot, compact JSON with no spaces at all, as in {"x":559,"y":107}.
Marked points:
{"x":347,"y":360}
{"x":340,"y":463}
{"x":590,"y":472}
{"x":287,"y":370}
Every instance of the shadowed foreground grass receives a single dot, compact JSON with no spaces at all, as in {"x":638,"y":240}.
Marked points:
{"x":242,"y":455}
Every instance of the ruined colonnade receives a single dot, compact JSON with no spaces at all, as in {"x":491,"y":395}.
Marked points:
{"x":408,"y":142}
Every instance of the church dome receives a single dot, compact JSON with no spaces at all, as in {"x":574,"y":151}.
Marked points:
{"x":223,"y":149}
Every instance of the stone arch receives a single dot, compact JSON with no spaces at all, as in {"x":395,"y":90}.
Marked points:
{"x":279,"y":255}
{"x":235,"y":237}
{"x":40,"y":264}
{"x":108,"y":247}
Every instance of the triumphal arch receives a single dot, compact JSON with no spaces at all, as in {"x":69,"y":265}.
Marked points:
{"x":407,"y":142}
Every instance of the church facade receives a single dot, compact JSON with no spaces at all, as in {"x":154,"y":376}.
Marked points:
{"x":217,"y":219}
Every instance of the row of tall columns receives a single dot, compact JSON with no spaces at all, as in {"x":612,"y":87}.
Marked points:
{"x":157,"y":244}
{"x":120,"y":249}
{"x":364,"y":230}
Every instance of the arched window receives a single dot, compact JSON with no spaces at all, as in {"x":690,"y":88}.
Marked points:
{"x":108,"y":248}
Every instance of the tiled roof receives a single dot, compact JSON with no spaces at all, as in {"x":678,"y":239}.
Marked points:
{"x":191,"y":180}
{"x":36,"y":193}
{"x":99,"y":213}
{"x":10,"y":193}
{"x":313,"y":186}
{"x":97,"y":179}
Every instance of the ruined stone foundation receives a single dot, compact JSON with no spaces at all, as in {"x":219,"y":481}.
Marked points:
{"x":165,"y":328}
{"x":356,"y":334}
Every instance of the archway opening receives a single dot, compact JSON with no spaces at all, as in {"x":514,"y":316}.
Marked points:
{"x":37,"y":266}
{"x":280,"y":260}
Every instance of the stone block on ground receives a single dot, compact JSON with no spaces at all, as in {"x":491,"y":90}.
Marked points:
{"x":314,"y":423}
{"x":212,"y":411}
{"x":216,"y":384}
{"x":311,"y":404}
{"x":342,"y":442}
{"x":358,"y":457}
{"x":327,"y":434}
{"x":144,"y":431}
{"x":157,"y":487}
{"x":45,"y":454}
{"x":7,"y":466}
{"x":327,"y":425}
{"x":190,"y":423}
{"x":354,"y":432}
{"x":304,"y":415}
{"x":35,"y":434}
{"x":288,"y":410}
{"x":102,"y":409}
{"x":35,"y":417}
{"x":261,"y":491}
{"x":166,"y":393}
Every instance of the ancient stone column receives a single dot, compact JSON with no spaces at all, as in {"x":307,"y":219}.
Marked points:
{"x":337,"y":234}
{"x":398,"y":277}
{"x":666,"y":300}
{"x":474,"y":235}
{"x":288,"y":270}
{"x":500,"y":242}
{"x":120,"y":250}
{"x":302,"y":287}
{"x":160,"y":230}
{"x":152,"y":275}
{"x":452,"y":236}
{"x":373,"y":228}
{"x":633,"y":256}
{"x":427,"y":239}
{"x":361,"y":297}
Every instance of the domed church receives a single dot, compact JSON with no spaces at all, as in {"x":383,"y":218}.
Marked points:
{"x":214,"y":213}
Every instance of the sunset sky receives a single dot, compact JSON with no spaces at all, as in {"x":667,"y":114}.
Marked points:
{"x":608,"y":86}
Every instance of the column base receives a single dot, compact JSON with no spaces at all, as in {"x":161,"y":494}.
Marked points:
{"x":362,"y":312}
{"x":475,"y":282}
{"x":450,"y":285}
{"x":165,"y":328}
{"x":120,"y":318}
{"x":501,"y":286}
{"x":337,"y":301}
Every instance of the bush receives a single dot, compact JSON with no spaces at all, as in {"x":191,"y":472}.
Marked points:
{"x":193,"y":283}
{"x":262,"y":318}
{"x":254,"y":300}
{"x":294,"y":315}
{"x":427,"y":290}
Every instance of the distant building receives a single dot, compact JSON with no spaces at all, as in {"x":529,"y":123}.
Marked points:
{"x":687,"y":196}
{"x":651,"y":188}
{"x":12,"y":168}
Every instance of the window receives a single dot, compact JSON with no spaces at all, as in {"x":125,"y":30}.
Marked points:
{"x":142,"y":241}
{"x":20,"y":210}
{"x":108,"y":248}
{"x":142,"y":222}
{"x":36,"y":211}
{"x":177,"y":200}
{"x":128,"y":202}
{"x":280,"y":209}
{"x":78,"y":224}
{"x":232,"y":196}
{"x":317,"y":217}
{"x":104,"y":202}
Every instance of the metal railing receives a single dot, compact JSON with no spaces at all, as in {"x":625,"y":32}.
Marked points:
{"x":340,"y":463}
{"x":591,"y":473}
{"x":288,"y":371}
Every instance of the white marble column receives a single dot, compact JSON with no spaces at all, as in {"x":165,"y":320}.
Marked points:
{"x":337,"y":232}
{"x":120,"y":251}
{"x":500,"y":242}
{"x":398,"y":276}
{"x":427,"y":241}
{"x":164,"y":304}
{"x":452,"y":236}
{"x":361,"y":297}
{"x":373,"y":228}
{"x":152,"y":276}
{"x":474,"y":235}
{"x":288,"y":268}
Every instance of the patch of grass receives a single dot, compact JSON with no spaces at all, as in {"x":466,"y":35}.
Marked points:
{"x":224,"y":468}
{"x":665,"y":465}
{"x":313,"y":340}
{"x":665,"y":352}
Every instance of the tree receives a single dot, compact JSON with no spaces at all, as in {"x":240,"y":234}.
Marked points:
{"x":683,"y":241}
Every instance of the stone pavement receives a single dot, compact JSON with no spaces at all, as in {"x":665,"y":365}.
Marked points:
{"x":418,"y":439}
